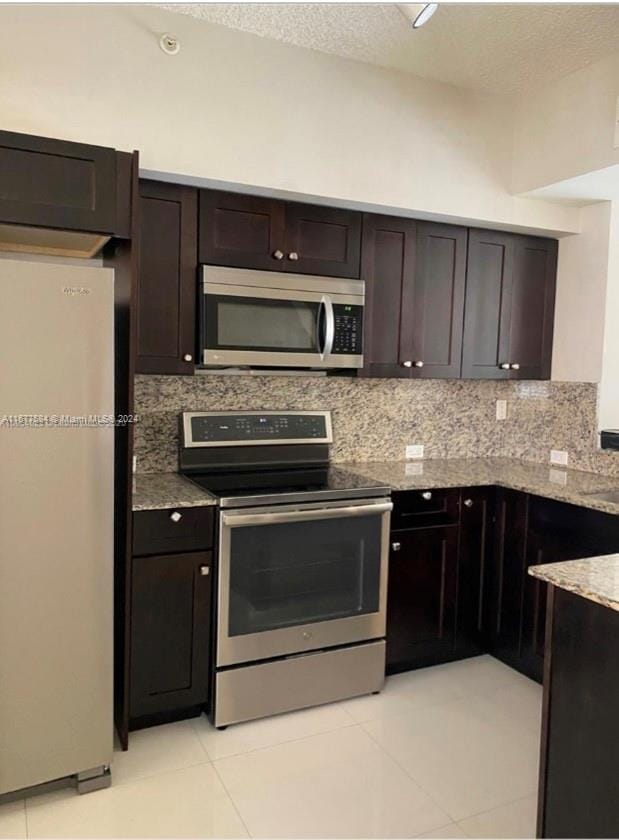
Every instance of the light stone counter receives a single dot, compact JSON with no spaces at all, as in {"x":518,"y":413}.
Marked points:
{"x":571,"y":486}
{"x":154,"y":491}
{"x":596,"y":578}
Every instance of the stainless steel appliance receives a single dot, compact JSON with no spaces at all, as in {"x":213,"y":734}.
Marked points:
{"x":270,"y":319}
{"x":302,"y":564}
{"x":56,"y":523}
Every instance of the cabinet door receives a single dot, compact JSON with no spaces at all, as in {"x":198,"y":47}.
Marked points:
{"x":532,"y":307}
{"x":421,"y":597}
{"x":540,"y":549}
{"x":57,"y":184}
{"x":322,"y":240}
{"x":170,"y":629}
{"x":245,"y":231}
{"x":433,"y":305}
{"x":490,"y":267}
{"x":388,"y":268}
{"x":508,"y":573}
{"x":167,"y":279}
{"x":475,"y":556}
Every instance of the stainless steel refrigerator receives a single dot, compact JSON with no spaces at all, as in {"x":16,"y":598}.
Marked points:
{"x":56,"y":523}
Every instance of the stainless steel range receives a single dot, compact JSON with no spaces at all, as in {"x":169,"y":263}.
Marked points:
{"x":302,"y":566}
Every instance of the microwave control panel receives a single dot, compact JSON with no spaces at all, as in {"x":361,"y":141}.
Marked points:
{"x":348,"y":329}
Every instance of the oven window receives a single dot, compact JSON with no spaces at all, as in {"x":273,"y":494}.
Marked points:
{"x":241,"y":323}
{"x":287,"y":574}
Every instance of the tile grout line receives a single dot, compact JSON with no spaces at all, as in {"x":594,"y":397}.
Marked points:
{"x":231,"y":798}
{"x":281,"y":743}
{"x":409,"y":775}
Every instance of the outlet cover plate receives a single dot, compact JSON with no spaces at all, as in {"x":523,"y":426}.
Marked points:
{"x":558,"y":457}
{"x":501,"y":409}
{"x":414,"y":452}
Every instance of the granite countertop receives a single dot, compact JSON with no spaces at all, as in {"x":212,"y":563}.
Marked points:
{"x":596,"y":578}
{"x":571,"y":486}
{"x":153,"y":491}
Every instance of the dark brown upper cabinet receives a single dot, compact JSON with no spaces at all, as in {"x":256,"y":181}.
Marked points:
{"x":248,"y":231}
{"x":509,"y":307}
{"x":58,"y":184}
{"x":322,"y":240}
{"x":415,"y":275}
{"x":245,"y":231}
{"x":167,"y":279}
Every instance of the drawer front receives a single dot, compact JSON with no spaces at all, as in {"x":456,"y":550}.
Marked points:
{"x":172,"y":530}
{"x":423,"y":508}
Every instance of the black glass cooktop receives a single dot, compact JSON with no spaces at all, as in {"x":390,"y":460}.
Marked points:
{"x":277,"y":487}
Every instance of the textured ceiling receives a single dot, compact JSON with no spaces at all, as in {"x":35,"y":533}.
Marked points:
{"x":492,"y":48}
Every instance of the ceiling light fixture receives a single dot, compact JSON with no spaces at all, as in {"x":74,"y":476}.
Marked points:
{"x":417,"y":13}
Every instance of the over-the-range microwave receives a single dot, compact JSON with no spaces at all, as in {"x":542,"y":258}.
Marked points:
{"x":266,"y":319}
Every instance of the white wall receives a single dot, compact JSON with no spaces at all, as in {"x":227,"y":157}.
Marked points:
{"x":566,"y":128}
{"x":581,"y":298}
{"x":239,"y":108}
{"x":609,"y":388}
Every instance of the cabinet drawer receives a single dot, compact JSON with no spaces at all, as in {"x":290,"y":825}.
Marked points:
{"x":171,"y":530}
{"x":423,"y":508}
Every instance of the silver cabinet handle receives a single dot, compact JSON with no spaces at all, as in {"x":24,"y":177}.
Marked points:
{"x":515,"y":366}
{"x":205,"y":570}
{"x":426,"y":495}
{"x":187,"y":357}
{"x":468,"y":503}
{"x":293,"y":256}
{"x":407,"y":364}
{"x":505,"y":366}
{"x":176,"y":516}
{"x":418,"y":364}
{"x":396,"y":546}
{"x":278,"y":255}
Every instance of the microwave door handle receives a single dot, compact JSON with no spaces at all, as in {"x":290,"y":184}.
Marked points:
{"x":329,"y":326}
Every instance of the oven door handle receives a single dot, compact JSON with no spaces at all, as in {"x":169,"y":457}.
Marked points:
{"x":238,"y":520}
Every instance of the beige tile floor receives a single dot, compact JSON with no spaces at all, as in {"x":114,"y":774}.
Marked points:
{"x":450,"y":751}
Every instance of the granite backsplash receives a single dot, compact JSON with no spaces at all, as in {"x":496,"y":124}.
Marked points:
{"x":374,"y":419}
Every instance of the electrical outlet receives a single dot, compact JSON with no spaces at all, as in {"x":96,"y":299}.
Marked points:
{"x":616,"y":139}
{"x":413,"y":469}
{"x":415,"y":451}
{"x":134,"y":464}
{"x":558,"y":457}
{"x":501,"y":409}
{"x":557,"y":477}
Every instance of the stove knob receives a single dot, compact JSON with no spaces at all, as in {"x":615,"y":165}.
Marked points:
{"x":176,"y":516}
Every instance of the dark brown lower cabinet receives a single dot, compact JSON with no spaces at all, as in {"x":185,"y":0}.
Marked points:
{"x":474,"y":558}
{"x":506,"y":578}
{"x":170,"y":634}
{"x":578,"y":792}
{"x":421,"y":608}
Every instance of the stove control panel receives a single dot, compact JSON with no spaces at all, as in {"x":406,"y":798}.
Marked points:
{"x":249,"y":428}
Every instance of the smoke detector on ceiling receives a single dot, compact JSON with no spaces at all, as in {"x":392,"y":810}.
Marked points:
{"x":417,"y":13}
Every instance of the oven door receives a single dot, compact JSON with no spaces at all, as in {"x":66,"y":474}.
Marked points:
{"x":301,"y":578}
{"x":247,"y":325}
